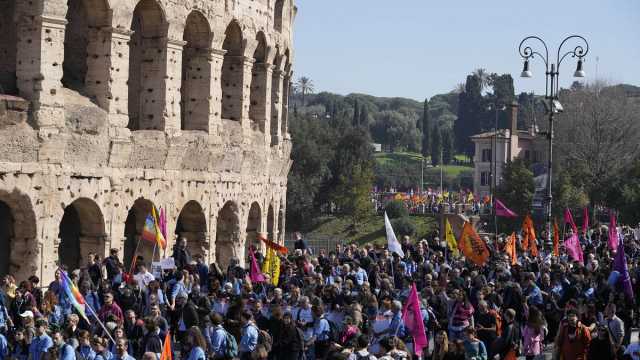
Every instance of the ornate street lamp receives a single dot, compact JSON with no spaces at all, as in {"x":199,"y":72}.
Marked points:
{"x":552,"y":105}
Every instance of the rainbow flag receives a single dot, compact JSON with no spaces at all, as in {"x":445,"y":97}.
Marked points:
{"x":72,"y":292}
{"x":151,"y":231}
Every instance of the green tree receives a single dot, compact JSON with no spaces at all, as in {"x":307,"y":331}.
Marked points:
{"x":517,"y":187}
{"x":483,"y":76}
{"x":364,"y":117}
{"x":356,"y":113}
{"x":352,"y":181}
{"x":470,"y":113}
{"x":447,"y":146}
{"x":426,"y":116}
{"x":396,"y":209}
{"x":305,"y":86}
{"x":436,"y":146}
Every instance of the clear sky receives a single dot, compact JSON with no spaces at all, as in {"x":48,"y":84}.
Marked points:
{"x":419,"y":48}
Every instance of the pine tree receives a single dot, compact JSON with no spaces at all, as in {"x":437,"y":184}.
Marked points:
{"x":447,"y":146}
{"x":356,"y":113}
{"x":364,"y":117}
{"x":436,"y":145}
{"x":426,"y":119}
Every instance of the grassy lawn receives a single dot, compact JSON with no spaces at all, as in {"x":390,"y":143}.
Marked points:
{"x":371,"y":230}
{"x":413,"y":160}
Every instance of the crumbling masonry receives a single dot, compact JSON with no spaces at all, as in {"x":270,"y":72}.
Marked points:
{"x":111,"y":107}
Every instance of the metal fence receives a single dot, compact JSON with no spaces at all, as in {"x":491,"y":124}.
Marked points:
{"x":316,"y":243}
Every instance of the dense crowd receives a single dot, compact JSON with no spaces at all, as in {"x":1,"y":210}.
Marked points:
{"x":341,"y":304}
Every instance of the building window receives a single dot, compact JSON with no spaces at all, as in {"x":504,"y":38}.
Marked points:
{"x":485,"y":178}
{"x":486,"y":155}
{"x":527,"y":155}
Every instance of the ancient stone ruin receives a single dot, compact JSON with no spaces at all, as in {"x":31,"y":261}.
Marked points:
{"x":111,"y":107}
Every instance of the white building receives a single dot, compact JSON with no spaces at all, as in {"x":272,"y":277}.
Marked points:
{"x":509,"y":144}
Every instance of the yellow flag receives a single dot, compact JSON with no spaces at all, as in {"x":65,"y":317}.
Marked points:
{"x":271,"y":266}
{"x":451,"y":240}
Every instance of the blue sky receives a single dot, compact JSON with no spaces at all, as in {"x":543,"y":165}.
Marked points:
{"x":419,"y":48}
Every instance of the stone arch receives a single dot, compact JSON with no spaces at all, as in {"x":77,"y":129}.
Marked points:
{"x":133,"y":243}
{"x":254,"y":226}
{"x":8,"y":47}
{"x":232,"y":73}
{"x":278,"y":11}
{"x":82,"y":231}
{"x":196,"y":73}
{"x":227,"y":234}
{"x":192,"y":225}
{"x":276,"y":92}
{"x":281,"y":229}
{"x":271,"y":223}
{"x":258,"y":94}
{"x":147,"y":67}
{"x":86,"y":49}
{"x":18,"y":232}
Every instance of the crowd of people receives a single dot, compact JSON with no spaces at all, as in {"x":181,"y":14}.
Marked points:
{"x":341,"y":304}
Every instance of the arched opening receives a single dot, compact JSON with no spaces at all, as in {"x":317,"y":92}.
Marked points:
{"x":196,"y":74}
{"x":270,"y":223}
{"x":192,"y":225}
{"x":147,"y":67}
{"x":81,"y":232}
{"x":232,"y":73}
{"x":286,"y":89}
{"x":258,"y":97}
{"x":133,"y":243}
{"x":277,"y":16}
{"x":8,"y":47}
{"x":227,"y":234}
{"x":276,"y":103}
{"x":6,"y":238}
{"x":254,"y":222}
{"x":86,"y":49}
{"x":281,"y":229}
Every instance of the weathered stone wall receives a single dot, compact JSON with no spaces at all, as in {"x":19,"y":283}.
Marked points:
{"x":118,"y":113}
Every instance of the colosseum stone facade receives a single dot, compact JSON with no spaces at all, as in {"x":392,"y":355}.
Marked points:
{"x":110,"y":107}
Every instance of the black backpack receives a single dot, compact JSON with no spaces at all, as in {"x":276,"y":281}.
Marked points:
{"x":334,"y":334}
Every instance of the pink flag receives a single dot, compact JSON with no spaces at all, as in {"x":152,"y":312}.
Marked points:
{"x":163,"y":222}
{"x":255,"y":275}
{"x":412,"y":318}
{"x":568,"y":219}
{"x":503,"y":211}
{"x":585,"y":220}
{"x":574,"y":249}
{"x":613,"y":231}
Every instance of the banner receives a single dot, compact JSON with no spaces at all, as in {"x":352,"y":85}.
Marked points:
{"x":472,"y":246}
{"x":412,"y":318}
{"x":255,"y":275}
{"x":572,"y":245}
{"x":503,"y":211}
{"x":568,"y":219}
{"x":613,"y":231}
{"x":510,"y":248}
{"x":620,"y":265}
{"x":271,"y":266}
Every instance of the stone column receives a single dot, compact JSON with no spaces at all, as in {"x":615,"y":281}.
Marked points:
{"x":247,"y":73}
{"x":118,"y":96}
{"x":285,"y":107}
{"x":215,"y":122}
{"x":276,"y":106}
{"x":261,"y":94}
{"x":173,"y":82}
{"x":40,"y":54}
{"x":97,"y":82}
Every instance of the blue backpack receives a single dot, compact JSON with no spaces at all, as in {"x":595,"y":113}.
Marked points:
{"x":231,"y":346}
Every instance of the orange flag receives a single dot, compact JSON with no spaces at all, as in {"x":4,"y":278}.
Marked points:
{"x":529,"y":236}
{"x":166,"y":348}
{"x":534,"y":247}
{"x":556,"y":239}
{"x":525,"y":233}
{"x":472,"y":246}
{"x":510,"y":248}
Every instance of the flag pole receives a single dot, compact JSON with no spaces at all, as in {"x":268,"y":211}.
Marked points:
{"x":100,"y":322}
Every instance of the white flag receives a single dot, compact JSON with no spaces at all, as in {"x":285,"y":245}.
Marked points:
{"x":392,"y":241}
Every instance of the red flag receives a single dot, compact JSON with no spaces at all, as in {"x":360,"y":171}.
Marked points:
{"x":255,"y":275}
{"x":277,"y":247}
{"x":572,"y":245}
{"x":556,"y":239}
{"x":568,"y":219}
{"x":503,"y":211}
{"x":166,"y":348}
{"x":412,"y":318}
{"x":585,"y":220}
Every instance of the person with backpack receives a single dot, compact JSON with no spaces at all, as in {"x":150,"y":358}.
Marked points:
{"x":508,"y":344}
{"x":573,"y":339}
{"x":250,"y":334}
{"x":321,"y":339}
{"x":217,"y":337}
{"x":362,"y":352}
{"x":291,"y":346}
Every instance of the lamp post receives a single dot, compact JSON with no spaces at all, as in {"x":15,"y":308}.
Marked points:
{"x":552,"y":105}
{"x":494,"y":165}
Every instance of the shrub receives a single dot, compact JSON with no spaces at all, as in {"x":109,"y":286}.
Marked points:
{"x":396,"y":209}
{"x":403,"y":226}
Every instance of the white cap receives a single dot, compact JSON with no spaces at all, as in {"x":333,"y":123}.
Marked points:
{"x":27,"y":313}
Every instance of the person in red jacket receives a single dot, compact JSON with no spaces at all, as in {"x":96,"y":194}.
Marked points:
{"x":572,"y":342}
{"x":110,"y":308}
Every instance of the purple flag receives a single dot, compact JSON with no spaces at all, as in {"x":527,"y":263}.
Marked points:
{"x":503,"y":211}
{"x":255,"y":275}
{"x":613,"y":231}
{"x":620,"y":265}
{"x":412,"y":318}
{"x":163,"y":222}
{"x":572,"y":245}
{"x":568,"y":219}
{"x":585,"y":220}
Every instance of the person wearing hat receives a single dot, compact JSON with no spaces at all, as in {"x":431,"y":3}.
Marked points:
{"x":41,"y":342}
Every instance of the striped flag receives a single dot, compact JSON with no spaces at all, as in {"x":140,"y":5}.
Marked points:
{"x":72,"y":292}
